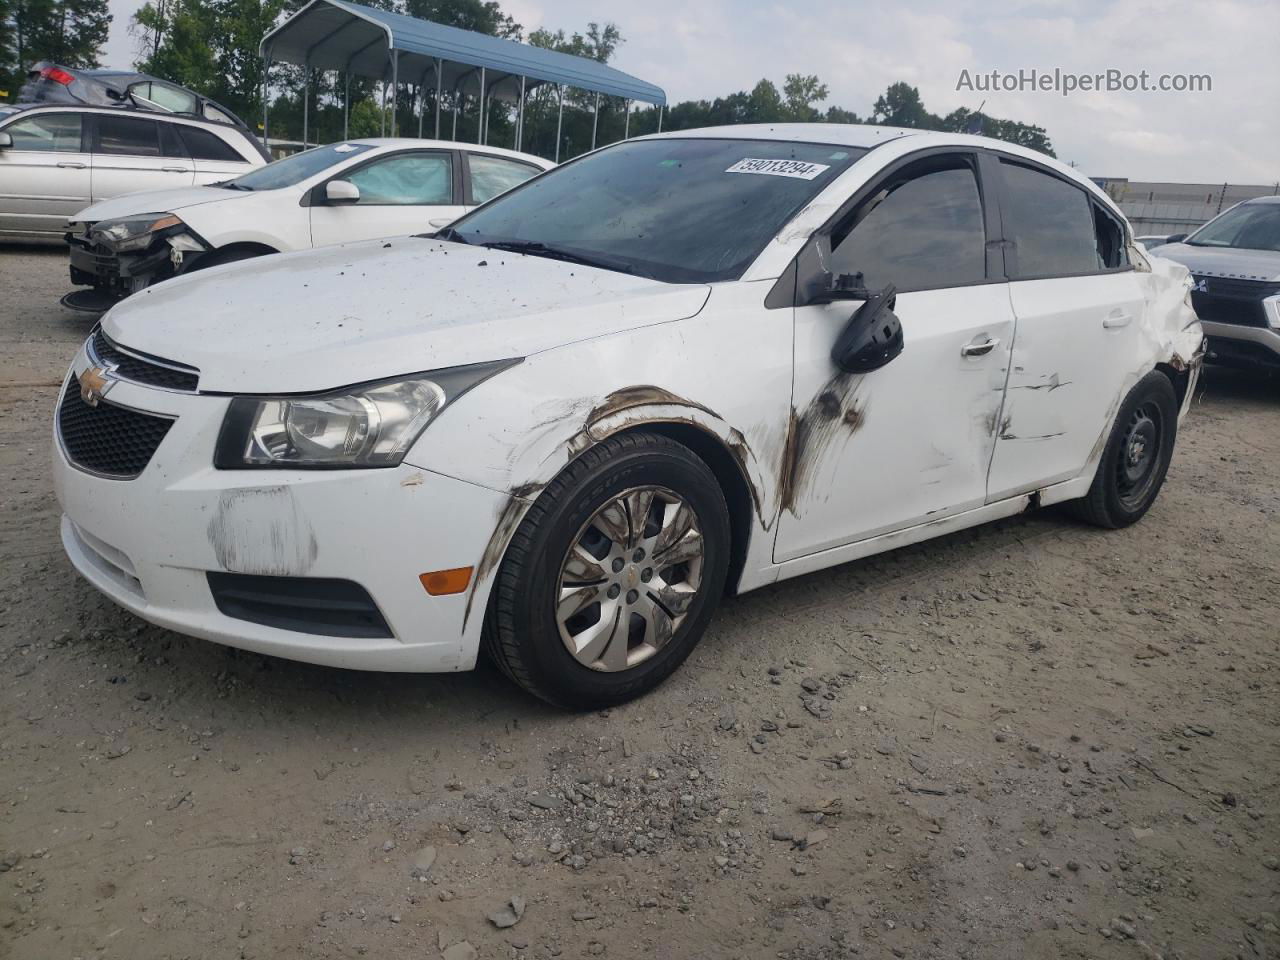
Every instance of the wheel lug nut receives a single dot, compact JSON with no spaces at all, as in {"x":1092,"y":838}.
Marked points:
{"x":614,"y":591}
{"x":638,"y":556}
{"x":632,"y":596}
{"x":618,"y":564}
{"x":646,"y":574}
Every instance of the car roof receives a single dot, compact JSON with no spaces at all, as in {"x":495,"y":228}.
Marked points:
{"x":387,"y":142}
{"x":1271,"y":199}
{"x":836,"y":134}
{"x":104,"y":108}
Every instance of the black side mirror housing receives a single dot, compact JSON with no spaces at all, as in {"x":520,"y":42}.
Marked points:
{"x":872,"y":337}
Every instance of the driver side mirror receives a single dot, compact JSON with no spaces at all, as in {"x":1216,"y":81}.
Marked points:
{"x":340,"y":192}
{"x":6,"y":141}
{"x":873,"y":335}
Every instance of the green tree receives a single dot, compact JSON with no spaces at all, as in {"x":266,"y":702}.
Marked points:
{"x":482,"y":16}
{"x":901,"y":106}
{"x":69,"y":32}
{"x":800,"y":93}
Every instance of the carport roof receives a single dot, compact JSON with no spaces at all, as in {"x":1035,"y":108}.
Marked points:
{"x":337,"y":35}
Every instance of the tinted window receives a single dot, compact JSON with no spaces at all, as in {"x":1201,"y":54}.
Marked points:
{"x":59,"y":132}
{"x":491,"y":176}
{"x":204,"y":145}
{"x":170,"y":145}
{"x":128,"y":135}
{"x":679,"y":210}
{"x":407,"y":178}
{"x":923,"y":228}
{"x":1050,"y":222}
{"x":290,"y":170}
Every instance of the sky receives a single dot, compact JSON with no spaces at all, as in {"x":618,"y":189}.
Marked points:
{"x":709,"y":48}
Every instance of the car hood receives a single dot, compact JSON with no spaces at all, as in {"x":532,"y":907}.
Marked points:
{"x":318,"y":319}
{"x":156,"y":201}
{"x":1223,"y":261}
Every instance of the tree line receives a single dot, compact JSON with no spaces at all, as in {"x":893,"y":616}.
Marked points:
{"x":211,"y":46}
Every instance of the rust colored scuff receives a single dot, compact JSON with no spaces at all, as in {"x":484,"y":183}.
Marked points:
{"x":834,"y":415}
{"x":641,"y":395}
{"x":508,"y":517}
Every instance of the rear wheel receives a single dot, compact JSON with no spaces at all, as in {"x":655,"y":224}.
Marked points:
{"x":613,"y":575}
{"x":1136,"y":458}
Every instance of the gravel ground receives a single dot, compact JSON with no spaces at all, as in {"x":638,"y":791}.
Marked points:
{"x":1034,"y":739}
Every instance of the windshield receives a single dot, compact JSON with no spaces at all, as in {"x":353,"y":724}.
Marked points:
{"x":1249,"y":226}
{"x":677,"y":210}
{"x":300,"y":166}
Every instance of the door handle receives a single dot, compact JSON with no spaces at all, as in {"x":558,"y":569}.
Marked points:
{"x":441,"y":221}
{"x":1117,"y":320}
{"x":979,"y":349}
{"x":70,"y":165}
{"x":175,"y":170}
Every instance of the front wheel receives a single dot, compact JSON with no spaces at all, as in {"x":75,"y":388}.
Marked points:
{"x":1136,"y":458}
{"x":613,"y":575}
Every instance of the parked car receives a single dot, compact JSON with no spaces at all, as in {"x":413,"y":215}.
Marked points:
{"x":56,"y":160}
{"x":562,"y":427}
{"x":1234,"y":260}
{"x":54,"y":83}
{"x":356,"y":190}
{"x":1149,"y":241}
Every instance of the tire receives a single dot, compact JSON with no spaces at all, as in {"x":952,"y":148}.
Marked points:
{"x":1123,"y":490}
{"x":660,"y":612}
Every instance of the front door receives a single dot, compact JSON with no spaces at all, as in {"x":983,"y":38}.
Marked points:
{"x":912,"y":441}
{"x":400,"y":194}
{"x":44,"y":175}
{"x":1079,"y":308}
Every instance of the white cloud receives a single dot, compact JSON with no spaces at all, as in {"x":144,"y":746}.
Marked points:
{"x":715,"y":47}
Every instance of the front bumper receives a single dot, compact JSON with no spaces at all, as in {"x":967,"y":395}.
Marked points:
{"x":150,"y":542}
{"x":1234,"y":345}
{"x":97,"y":265}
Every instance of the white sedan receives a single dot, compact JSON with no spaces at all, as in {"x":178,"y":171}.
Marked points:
{"x":357,"y":190}
{"x":564,"y":426}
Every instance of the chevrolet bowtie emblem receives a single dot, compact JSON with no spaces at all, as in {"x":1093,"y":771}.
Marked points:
{"x":94,"y":384}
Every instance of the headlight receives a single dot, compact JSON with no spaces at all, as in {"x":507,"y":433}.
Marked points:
{"x":369,"y":425}
{"x":134,"y":233}
{"x":1271,"y":307}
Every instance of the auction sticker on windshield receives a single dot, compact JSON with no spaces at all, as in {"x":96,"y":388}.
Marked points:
{"x":798,"y":169}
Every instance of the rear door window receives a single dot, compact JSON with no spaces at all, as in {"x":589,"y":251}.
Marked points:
{"x":128,"y":136}
{"x":56,"y":132}
{"x":491,"y":176}
{"x":204,"y":145}
{"x":1050,"y":223}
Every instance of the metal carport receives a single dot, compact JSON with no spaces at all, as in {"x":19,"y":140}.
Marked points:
{"x":363,"y":41}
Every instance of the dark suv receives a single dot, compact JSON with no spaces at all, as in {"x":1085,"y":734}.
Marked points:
{"x":1234,"y":260}
{"x":52,"y":83}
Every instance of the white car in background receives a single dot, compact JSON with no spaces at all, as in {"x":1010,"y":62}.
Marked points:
{"x":356,"y":190}
{"x":56,"y":159}
{"x":564,"y":425}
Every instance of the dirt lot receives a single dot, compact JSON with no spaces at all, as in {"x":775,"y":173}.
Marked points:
{"x":1030,"y":740}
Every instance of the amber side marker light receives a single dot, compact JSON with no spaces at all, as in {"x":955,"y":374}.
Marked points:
{"x":444,"y":582}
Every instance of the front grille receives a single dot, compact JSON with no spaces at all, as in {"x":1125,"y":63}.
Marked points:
{"x":1232,"y":300}
{"x":143,"y":368}
{"x":1241,"y":313}
{"x":106,"y":439}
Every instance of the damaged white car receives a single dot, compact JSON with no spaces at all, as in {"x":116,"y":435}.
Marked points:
{"x":563,"y":428}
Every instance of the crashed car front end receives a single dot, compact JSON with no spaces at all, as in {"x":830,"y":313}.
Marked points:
{"x":121,"y":256}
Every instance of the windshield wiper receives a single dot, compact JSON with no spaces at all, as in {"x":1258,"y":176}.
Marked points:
{"x":535,"y":248}
{"x":232,"y":185}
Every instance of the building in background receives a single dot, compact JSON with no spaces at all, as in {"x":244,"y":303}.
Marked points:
{"x":1168,"y":208}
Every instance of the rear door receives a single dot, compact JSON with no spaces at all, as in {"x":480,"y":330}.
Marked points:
{"x":1079,"y":307}
{"x":400,"y":194}
{"x":213,"y":158}
{"x":132,"y":153}
{"x":44,"y":176}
